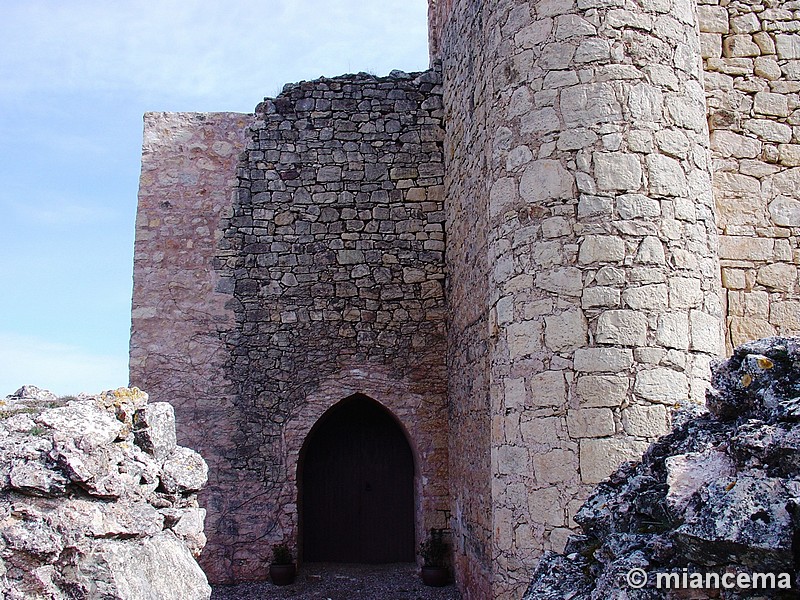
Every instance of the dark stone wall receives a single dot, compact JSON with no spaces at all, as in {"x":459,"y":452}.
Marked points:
{"x":334,"y":256}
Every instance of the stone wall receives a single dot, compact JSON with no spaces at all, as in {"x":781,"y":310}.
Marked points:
{"x":468,"y":300}
{"x":752,"y":73}
{"x":576,"y":137}
{"x":334,"y":258}
{"x":188,"y":177}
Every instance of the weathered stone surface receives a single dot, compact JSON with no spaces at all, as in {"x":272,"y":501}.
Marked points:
{"x":85,"y":511}
{"x":545,"y":180}
{"x":622,"y":327}
{"x":661,"y":385}
{"x":711,"y":496}
{"x":154,"y":429}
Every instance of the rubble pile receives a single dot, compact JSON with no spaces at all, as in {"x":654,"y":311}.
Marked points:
{"x":719,"y":495}
{"x":97,"y":500}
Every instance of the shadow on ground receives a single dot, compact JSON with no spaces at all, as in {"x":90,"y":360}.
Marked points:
{"x":327,"y":581}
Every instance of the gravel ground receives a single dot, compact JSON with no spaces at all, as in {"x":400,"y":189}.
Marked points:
{"x":321,"y":581}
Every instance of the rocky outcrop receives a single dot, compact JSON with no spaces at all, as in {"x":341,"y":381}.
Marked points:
{"x":719,"y":495}
{"x":97,"y":500}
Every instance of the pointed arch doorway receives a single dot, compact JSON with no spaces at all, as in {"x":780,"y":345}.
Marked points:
{"x":357,"y":487}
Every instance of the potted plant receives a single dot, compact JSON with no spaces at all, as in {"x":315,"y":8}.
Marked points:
{"x":434,"y":559}
{"x":282,"y":570}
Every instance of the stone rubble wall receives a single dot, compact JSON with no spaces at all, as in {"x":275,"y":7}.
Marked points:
{"x":97,"y":500}
{"x":179,"y":313}
{"x":577,"y":138}
{"x":333,"y":256}
{"x":751,"y":53}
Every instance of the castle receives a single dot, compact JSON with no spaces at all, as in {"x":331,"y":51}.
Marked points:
{"x":460,"y":298}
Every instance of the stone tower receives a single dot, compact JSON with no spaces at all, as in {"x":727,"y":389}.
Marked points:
{"x":525,"y":256}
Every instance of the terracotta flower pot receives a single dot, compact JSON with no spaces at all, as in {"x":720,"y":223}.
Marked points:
{"x":435,"y":576}
{"x":282,"y":574}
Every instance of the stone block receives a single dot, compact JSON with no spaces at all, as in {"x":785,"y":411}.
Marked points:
{"x":621,"y":327}
{"x":745,"y":23}
{"x":503,"y":195}
{"x":515,"y":395}
{"x":546,"y":180}
{"x":637,"y":206}
{"x":555,"y":466}
{"x":650,"y":252}
{"x":589,"y":104}
{"x":601,"y":248}
{"x":602,"y":390}
{"x":563,"y":280}
{"x":781,"y":277}
{"x":566,"y":332}
{"x":706,"y":332}
{"x":739,"y":46}
{"x":661,"y":385}
{"x":710,"y":45}
{"x":593,"y":206}
{"x":788,"y":46}
{"x":727,"y":143}
{"x":786,"y":315}
{"x":733,"y":279}
{"x":617,"y":171}
{"x":543,"y":430}
{"x":769,"y":130}
{"x":673,"y":330}
{"x":600,"y":296}
{"x":747,"y":329}
{"x":599,"y":458}
{"x":684,"y":292}
{"x":512,"y":460}
{"x":765,"y":42}
{"x":789,"y":155}
{"x":646,"y":297}
{"x":524,"y":339}
{"x":598,"y":360}
{"x":673,"y":142}
{"x":548,"y":389}
{"x":545,"y":507}
{"x":737,"y":247}
{"x":556,"y":227}
{"x":785,"y":211}
{"x":590,"y":422}
{"x":713,"y":19}
{"x":650,"y":421}
{"x":666,"y":176}
{"x":767,"y":103}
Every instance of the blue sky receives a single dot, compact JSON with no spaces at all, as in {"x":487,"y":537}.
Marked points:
{"x":75,"y":80}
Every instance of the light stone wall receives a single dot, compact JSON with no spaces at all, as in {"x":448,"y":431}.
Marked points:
{"x":577,"y":138}
{"x":176,"y":351}
{"x":752,"y":62}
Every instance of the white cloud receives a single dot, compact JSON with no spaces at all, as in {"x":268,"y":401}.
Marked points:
{"x":60,"y":368}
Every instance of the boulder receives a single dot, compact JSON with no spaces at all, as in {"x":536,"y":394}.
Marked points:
{"x":97,"y":500}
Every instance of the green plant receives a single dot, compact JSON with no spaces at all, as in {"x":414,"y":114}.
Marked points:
{"x":281,"y":555}
{"x":36,"y":430}
{"x":434,"y":549}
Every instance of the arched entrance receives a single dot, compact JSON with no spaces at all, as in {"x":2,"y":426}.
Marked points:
{"x":357,"y":487}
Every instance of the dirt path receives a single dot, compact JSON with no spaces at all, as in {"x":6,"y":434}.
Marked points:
{"x":322,"y":581}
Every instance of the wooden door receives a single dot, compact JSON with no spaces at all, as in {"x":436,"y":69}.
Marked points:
{"x":357,"y":487}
